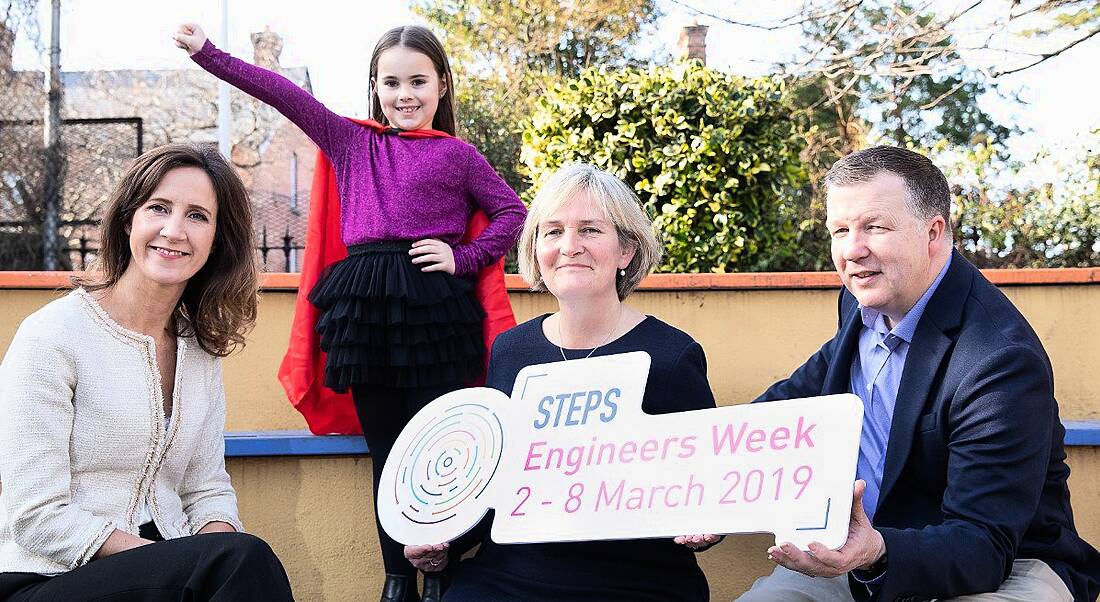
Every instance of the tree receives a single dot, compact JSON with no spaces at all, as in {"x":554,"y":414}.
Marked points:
{"x":1060,"y":24}
{"x":712,"y":155}
{"x":875,"y":70}
{"x":899,"y":68}
{"x":896,"y":69}
{"x":548,"y":36}
{"x":22,"y":156}
{"x":1066,"y":23}
{"x":489,"y":114}
{"x":1001,"y":224}
{"x":505,"y":55}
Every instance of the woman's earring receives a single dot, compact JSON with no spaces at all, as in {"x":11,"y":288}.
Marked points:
{"x":622,"y":272}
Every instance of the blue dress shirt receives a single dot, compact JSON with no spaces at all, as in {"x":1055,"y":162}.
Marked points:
{"x":875,"y":377}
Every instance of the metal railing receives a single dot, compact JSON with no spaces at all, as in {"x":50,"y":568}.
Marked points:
{"x":279,"y":254}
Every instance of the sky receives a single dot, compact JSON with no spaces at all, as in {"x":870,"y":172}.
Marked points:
{"x":1059,"y":101}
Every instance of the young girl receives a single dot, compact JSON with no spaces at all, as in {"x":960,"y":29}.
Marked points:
{"x":401,"y":331}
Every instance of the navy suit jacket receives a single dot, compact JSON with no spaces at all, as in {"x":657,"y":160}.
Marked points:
{"x":975,"y":472}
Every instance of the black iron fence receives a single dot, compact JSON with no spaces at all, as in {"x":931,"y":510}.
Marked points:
{"x":278,"y":253}
{"x":283,"y":254}
{"x":280,"y":229}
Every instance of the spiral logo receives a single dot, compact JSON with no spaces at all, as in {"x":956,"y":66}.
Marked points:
{"x":447,"y":464}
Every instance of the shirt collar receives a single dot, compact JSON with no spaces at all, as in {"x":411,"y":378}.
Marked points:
{"x":904,"y":329}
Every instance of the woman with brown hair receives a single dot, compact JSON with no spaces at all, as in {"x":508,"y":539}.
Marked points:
{"x":112,"y":408}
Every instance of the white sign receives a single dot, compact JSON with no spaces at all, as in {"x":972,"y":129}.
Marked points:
{"x":572,"y":457}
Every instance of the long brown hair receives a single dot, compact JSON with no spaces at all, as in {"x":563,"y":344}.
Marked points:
{"x":422,"y":40}
{"x":218,"y":305}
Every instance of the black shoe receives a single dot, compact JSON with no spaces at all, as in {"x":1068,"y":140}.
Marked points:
{"x":399,"y":588}
{"x":435,"y":584}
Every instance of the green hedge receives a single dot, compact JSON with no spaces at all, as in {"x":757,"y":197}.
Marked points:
{"x":713,"y":157}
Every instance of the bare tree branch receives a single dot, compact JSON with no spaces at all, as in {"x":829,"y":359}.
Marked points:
{"x":832,"y":36}
{"x":1049,"y":55}
{"x":935,"y":102}
{"x":791,"y":21}
{"x":910,"y":45}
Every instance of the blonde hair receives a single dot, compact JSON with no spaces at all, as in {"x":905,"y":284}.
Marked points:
{"x":611,"y":197}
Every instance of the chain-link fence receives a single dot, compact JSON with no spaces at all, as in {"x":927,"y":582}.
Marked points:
{"x":95,"y":154}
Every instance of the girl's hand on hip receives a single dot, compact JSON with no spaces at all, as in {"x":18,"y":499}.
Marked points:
{"x":435,"y":255}
{"x":190,"y":37}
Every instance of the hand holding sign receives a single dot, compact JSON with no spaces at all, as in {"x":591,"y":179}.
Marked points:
{"x":863,"y":548}
{"x":572,"y":457}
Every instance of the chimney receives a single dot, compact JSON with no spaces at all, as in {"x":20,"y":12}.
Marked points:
{"x":266,"y":48}
{"x":7,"y":43}
{"x":693,"y":42}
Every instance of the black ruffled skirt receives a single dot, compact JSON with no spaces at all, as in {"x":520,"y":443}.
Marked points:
{"x":384,"y":322}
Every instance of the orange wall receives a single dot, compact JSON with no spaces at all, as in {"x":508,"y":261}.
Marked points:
{"x":755,"y":328}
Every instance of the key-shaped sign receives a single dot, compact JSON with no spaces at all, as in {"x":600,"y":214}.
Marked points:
{"x":572,"y":457}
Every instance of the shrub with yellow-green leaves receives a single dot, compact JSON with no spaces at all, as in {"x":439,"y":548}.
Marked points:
{"x":713,"y":157}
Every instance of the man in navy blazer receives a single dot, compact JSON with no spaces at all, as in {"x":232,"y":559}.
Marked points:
{"x":962,"y":474}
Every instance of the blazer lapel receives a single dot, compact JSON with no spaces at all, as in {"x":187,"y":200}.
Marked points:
{"x":930,"y":347}
{"x":838,"y":378}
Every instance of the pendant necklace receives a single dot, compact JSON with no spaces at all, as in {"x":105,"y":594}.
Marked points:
{"x":604,"y":342}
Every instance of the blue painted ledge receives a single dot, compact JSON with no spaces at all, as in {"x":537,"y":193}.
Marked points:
{"x":292,"y":443}
{"x":304,"y":443}
{"x":1082,"y":432}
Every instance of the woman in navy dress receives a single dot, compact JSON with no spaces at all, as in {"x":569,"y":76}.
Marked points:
{"x":587,"y":241}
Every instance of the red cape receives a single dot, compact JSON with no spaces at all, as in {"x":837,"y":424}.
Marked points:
{"x":302,"y":370}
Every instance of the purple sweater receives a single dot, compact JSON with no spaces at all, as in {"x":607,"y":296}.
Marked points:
{"x":391,"y":187}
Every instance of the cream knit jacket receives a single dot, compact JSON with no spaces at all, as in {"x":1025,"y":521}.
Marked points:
{"x":83,"y":444}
